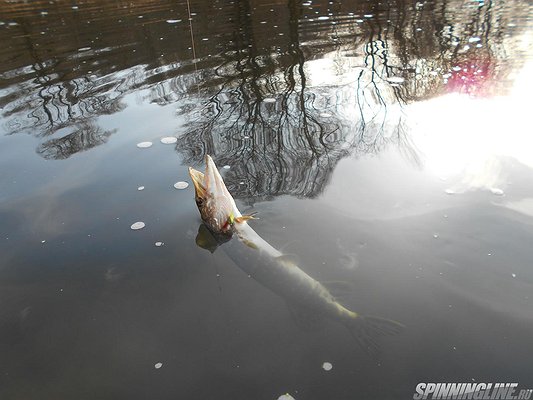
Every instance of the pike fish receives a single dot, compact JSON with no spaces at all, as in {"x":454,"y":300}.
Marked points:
{"x":309,"y":301}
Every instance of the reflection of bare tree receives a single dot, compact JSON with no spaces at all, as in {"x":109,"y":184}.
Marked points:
{"x":401,"y":53}
{"x":279,"y":135}
{"x":86,"y":137}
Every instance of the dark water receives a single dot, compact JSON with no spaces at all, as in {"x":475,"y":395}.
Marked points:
{"x":385,"y":144}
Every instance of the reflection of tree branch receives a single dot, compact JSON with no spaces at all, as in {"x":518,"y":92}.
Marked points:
{"x":88,"y":136}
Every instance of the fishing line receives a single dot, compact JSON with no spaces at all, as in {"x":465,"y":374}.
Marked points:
{"x":192,"y":43}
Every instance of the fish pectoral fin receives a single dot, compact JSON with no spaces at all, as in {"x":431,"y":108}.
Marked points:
{"x":244,"y":218}
{"x":306,"y":318}
{"x":339,"y":289}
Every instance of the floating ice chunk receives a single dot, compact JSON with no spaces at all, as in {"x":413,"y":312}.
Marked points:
{"x":181,"y":185}
{"x":158,"y":365}
{"x":169,"y":140}
{"x":159,"y":244}
{"x":140,"y":188}
{"x":144,"y":145}
{"x":269,"y":100}
{"x":138,"y":225}
{"x":173,"y":21}
{"x":327,"y":366}
{"x":285,"y":396}
{"x":497,"y":191}
{"x":395,"y":79}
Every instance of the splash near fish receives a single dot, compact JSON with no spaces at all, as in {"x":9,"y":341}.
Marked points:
{"x":309,"y":301}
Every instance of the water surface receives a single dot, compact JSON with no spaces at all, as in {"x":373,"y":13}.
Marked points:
{"x":384,"y":144}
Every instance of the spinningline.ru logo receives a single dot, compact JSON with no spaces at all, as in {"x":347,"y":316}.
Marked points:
{"x":475,"y":391}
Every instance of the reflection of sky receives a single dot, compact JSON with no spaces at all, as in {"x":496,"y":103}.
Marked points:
{"x":464,"y":138}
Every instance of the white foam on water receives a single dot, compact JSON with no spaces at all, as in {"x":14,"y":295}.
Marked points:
{"x":144,"y":145}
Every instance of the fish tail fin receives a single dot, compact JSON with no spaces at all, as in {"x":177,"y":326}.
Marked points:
{"x":367,"y":329}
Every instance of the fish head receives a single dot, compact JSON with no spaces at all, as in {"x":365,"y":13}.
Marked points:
{"x":215,"y":203}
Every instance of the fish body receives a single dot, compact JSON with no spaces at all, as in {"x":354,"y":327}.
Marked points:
{"x":308,"y":299}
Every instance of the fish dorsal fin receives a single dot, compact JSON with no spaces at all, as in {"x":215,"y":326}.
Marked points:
{"x":339,"y":289}
{"x":305,"y":318}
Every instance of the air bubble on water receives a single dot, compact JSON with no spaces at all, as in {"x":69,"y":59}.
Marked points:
{"x":158,"y":365}
{"x":269,"y":100}
{"x":327,"y":366}
{"x":144,"y":145}
{"x":181,"y":185}
{"x":138,"y":225}
{"x":173,"y":21}
{"x":140,"y":188}
{"x":159,"y":244}
{"x":169,"y":140}
{"x":395,"y":79}
{"x":497,"y":191}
